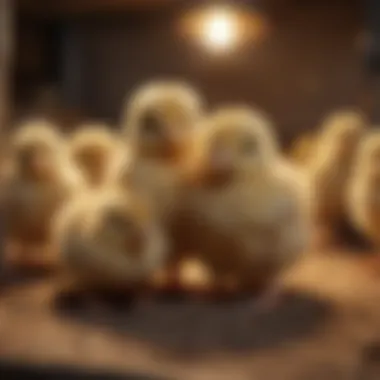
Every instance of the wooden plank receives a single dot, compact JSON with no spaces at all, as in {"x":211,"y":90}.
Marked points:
{"x":67,"y":7}
{"x":6,"y":31}
{"x":372,"y":53}
{"x":163,"y":337}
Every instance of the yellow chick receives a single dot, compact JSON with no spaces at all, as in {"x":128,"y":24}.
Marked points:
{"x":364,"y":189}
{"x":159,"y":124}
{"x":39,"y":181}
{"x":109,"y":240}
{"x":303,"y":149}
{"x":96,"y":151}
{"x":246,"y":209}
{"x":332,"y":166}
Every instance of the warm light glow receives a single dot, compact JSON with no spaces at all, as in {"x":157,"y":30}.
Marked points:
{"x":224,"y":28}
{"x":220,"y":30}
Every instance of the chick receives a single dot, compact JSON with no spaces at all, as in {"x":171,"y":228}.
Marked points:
{"x":332,"y":166}
{"x":109,"y":240}
{"x":96,"y":151}
{"x":303,"y":149}
{"x":39,"y":181}
{"x":246,"y":209}
{"x":364,"y":189}
{"x":159,"y":123}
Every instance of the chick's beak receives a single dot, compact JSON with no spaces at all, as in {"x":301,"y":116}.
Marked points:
{"x":221,"y":161}
{"x":37,"y":161}
{"x":219,"y":169}
{"x":40,"y":162}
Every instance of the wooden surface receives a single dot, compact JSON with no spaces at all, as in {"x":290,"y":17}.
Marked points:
{"x":6,"y":40}
{"x":68,"y":7}
{"x":323,"y":322}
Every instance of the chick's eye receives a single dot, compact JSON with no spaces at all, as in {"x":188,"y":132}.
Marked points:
{"x":151,"y":125}
{"x":249,"y":146}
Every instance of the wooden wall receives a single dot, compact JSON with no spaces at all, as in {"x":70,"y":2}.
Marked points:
{"x":6,"y":49}
{"x":309,"y":64}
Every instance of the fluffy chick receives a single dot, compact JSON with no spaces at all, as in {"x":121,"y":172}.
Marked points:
{"x":332,"y":166}
{"x":96,"y":151}
{"x":109,"y":240}
{"x":364,"y":189}
{"x":159,"y":123}
{"x":303,"y":149}
{"x":245,"y":211}
{"x":39,"y":181}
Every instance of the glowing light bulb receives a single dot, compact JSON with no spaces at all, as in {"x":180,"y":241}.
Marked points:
{"x":223,"y":28}
{"x":220,"y":30}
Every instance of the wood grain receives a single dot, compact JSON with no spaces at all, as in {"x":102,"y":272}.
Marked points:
{"x":321,"y":322}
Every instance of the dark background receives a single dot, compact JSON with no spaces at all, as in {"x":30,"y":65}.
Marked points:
{"x":310,"y":63}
